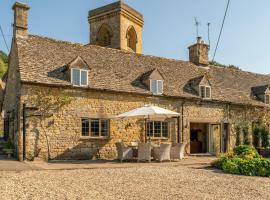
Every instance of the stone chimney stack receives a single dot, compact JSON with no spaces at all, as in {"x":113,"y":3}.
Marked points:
{"x":198,"y":53}
{"x":20,"y":26}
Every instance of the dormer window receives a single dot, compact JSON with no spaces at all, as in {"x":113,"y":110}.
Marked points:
{"x":205,"y":92}
{"x":267,"y":99}
{"x":156,"y":87}
{"x":79,"y":77}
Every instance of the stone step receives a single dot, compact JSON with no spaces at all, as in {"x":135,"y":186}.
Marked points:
{"x":201,"y":155}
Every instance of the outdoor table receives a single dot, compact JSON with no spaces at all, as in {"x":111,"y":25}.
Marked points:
{"x":135,"y":151}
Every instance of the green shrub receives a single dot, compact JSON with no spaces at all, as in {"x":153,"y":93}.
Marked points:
{"x":246,"y":152}
{"x":231,"y":165}
{"x":244,"y":160}
{"x":9,"y":145}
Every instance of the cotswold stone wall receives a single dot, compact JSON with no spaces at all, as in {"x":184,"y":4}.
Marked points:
{"x":11,"y":103}
{"x":60,"y":134}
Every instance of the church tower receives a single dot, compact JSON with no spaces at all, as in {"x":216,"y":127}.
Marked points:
{"x":116,"y":25}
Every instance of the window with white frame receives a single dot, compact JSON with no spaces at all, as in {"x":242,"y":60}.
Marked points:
{"x":79,"y":77}
{"x":157,"y":129}
{"x":95,"y":128}
{"x":267,"y":99}
{"x":205,"y":92}
{"x":156,"y":86}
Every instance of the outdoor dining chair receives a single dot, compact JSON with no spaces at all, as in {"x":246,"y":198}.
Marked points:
{"x":178,"y":151}
{"x":124,"y":153}
{"x":163,"y":152}
{"x":144,"y":152}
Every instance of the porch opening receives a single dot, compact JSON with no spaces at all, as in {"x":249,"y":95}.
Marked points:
{"x":199,"y":137}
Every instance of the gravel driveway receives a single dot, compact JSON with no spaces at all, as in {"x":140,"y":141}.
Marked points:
{"x":142,"y":182}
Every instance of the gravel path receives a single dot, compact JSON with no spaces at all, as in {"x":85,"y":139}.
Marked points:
{"x":146,"y":182}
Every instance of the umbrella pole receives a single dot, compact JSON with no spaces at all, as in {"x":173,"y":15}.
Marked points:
{"x":145,"y":130}
{"x":149,"y":138}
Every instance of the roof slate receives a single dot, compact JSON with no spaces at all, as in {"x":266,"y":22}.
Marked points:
{"x":41,"y":60}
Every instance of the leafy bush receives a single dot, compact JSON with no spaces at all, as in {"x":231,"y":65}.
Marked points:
{"x":260,"y":133}
{"x":245,"y":152}
{"x":9,"y":145}
{"x":3,"y":63}
{"x":244,"y":160}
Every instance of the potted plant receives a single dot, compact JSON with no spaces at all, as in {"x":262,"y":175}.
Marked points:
{"x":9,"y":148}
{"x":261,"y":139}
{"x":265,"y":150}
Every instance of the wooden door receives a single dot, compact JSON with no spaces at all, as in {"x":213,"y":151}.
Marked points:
{"x":214,"y":139}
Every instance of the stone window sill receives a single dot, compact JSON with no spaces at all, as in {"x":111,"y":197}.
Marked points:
{"x":94,"y":138}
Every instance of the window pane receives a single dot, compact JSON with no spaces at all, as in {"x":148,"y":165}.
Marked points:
{"x":207,"y":92}
{"x":165,"y":129}
{"x":154,"y":86}
{"x":104,"y":128}
{"x":94,"y":127}
{"x":85,"y":127}
{"x":157,"y":129}
{"x":84,"y":78}
{"x":202,"y":91}
{"x":150,"y":129}
{"x":75,"y":76}
{"x":160,"y":87}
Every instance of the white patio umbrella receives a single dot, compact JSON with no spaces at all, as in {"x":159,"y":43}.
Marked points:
{"x":147,"y":112}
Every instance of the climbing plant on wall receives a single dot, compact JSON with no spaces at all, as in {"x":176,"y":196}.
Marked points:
{"x":48,"y":102}
{"x":245,"y":135}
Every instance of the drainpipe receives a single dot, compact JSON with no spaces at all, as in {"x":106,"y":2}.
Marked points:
{"x":182,"y":110}
{"x":178,"y":130}
{"x":24,"y":132}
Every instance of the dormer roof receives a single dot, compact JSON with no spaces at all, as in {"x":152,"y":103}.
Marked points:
{"x":260,"y":89}
{"x":79,"y":63}
{"x":153,"y":74}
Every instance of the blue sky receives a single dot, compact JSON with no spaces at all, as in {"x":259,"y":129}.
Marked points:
{"x":169,"y":26}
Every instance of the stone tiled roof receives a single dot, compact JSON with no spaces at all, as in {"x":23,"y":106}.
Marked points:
{"x":42,"y":60}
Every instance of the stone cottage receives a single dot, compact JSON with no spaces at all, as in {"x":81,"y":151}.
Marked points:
{"x":61,"y":97}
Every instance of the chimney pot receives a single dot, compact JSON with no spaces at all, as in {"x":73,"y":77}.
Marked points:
{"x":20,"y":26}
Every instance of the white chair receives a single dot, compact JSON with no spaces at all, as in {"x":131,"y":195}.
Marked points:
{"x":144,"y":152}
{"x":124,"y":153}
{"x":178,"y":151}
{"x":163,"y":152}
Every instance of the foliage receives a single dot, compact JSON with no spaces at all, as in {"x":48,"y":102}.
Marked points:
{"x":238,"y":132}
{"x":3,"y":63}
{"x":256,"y":136}
{"x":245,"y":152}
{"x":265,"y":137}
{"x":9,"y":144}
{"x":48,"y":103}
{"x":260,"y":133}
{"x":245,"y":135}
{"x":224,"y":66}
{"x":244,"y":160}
